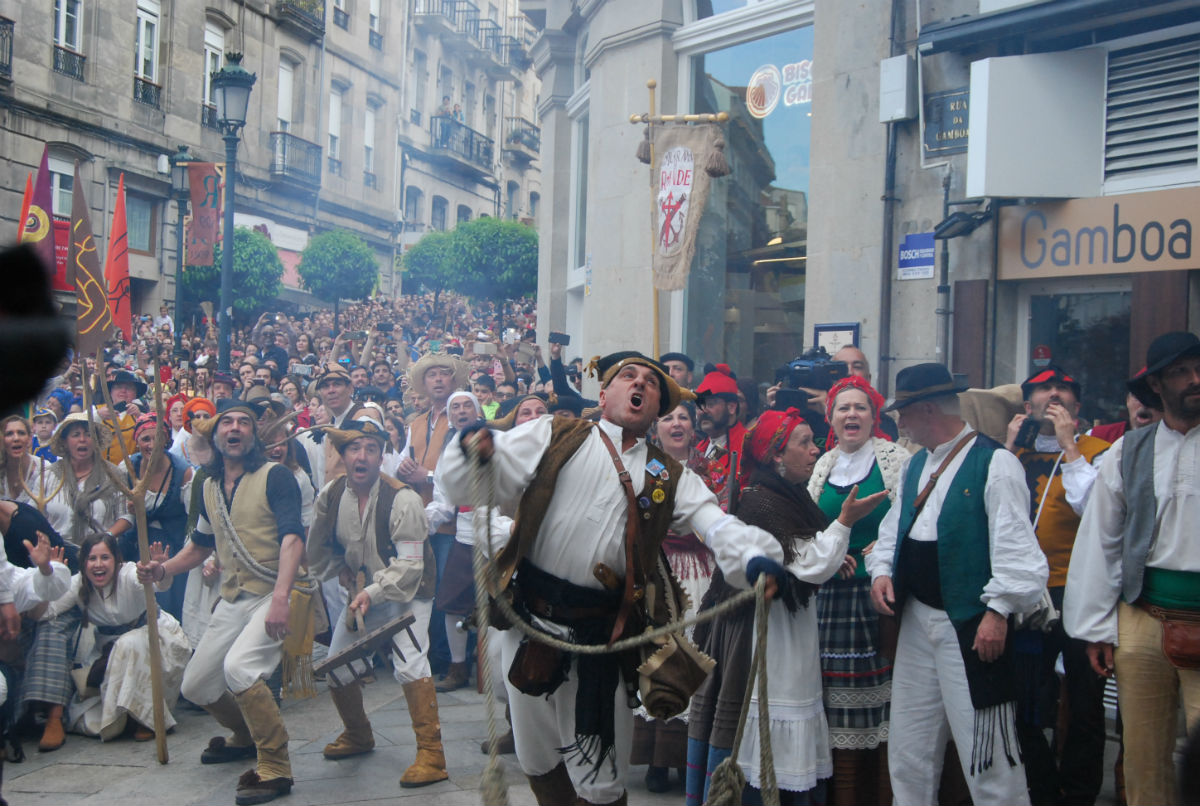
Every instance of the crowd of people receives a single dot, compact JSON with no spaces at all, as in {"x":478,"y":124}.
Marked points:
{"x":931,"y":594}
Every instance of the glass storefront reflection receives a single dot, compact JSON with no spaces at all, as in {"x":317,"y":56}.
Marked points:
{"x":745,"y":297}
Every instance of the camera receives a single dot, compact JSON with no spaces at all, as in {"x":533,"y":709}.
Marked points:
{"x":384,"y":327}
{"x":812,"y":369}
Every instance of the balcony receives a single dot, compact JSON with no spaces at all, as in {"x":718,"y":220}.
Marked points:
{"x":305,"y":18}
{"x":454,"y":20}
{"x":6,"y":43}
{"x":375,"y":40}
{"x":370,"y":180}
{"x":295,"y":161}
{"x":146,"y":91}
{"x":68,"y":62}
{"x":463,"y":145}
{"x":522,"y":139}
{"x":341,"y":19}
{"x":208,"y":117}
{"x":334,"y":166}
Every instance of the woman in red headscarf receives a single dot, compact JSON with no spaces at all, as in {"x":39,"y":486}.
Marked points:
{"x":857,"y":678}
{"x":778,"y":459}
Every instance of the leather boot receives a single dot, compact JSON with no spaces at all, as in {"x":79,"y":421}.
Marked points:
{"x":270,"y":736}
{"x":553,"y":788}
{"x":457,"y":676}
{"x":429,"y":766}
{"x":53,"y":736}
{"x":504,"y":744}
{"x":357,"y":738}
{"x":239,"y":746}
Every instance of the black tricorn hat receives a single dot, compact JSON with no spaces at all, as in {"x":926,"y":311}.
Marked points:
{"x":923,"y":382}
{"x":1162,"y":352}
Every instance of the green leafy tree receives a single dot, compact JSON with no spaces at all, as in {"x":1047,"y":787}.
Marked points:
{"x":487,"y":257}
{"x":338,"y":265}
{"x":428,"y":263}
{"x":495,"y":258}
{"x":256,"y":275}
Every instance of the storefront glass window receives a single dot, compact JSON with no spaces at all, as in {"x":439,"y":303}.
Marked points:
{"x":745,"y":295}
{"x":1065,"y":329}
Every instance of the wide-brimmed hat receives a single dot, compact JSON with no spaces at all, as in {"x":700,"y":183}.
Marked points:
{"x":125,"y":376}
{"x":923,"y":382}
{"x":226,"y":406}
{"x":416,"y":374}
{"x":58,"y":442}
{"x":356,"y":429}
{"x":1162,"y":352}
{"x":332,"y":371}
{"x":607,"y":367}
{"x":1051,"y":374}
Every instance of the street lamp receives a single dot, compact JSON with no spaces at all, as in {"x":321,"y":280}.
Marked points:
{"x":179,"y":188}
{"x":231,"y":87}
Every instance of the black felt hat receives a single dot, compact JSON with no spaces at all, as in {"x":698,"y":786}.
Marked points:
{"x":1162,"y":352}
{"x":923,"y":382}
{"x":1050,"y":374}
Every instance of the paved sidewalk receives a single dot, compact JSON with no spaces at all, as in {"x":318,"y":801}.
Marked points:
{"x":123,"y":772}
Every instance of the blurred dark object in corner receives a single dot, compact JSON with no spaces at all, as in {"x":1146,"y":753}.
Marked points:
{"x":33,"y":339}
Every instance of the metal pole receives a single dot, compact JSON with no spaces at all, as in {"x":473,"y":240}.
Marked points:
{"x":225,"y":314}
{"x":943,"y":289}
{"x":180,"y":201}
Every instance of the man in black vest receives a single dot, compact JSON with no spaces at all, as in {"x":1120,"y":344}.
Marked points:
{"x":367,"y":522}
{"x":576,"y":573}
{"x":957,"y":557}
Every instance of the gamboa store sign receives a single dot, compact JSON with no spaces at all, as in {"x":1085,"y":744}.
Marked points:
{"x":769,"y":86}
{"x":1132,"y":233}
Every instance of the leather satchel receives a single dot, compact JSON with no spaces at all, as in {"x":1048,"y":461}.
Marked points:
{"x":538,"y":669}
{"x":1181,"y":636}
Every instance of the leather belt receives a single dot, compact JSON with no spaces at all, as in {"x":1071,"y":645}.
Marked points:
{"x":544,"y":609}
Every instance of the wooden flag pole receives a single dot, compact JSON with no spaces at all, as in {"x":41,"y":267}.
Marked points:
{"x":650,"y":120}
{"x":137,"y":499}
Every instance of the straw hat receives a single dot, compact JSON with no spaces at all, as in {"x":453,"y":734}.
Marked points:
{"x":416,"y":374}
{"x":58,"y":442}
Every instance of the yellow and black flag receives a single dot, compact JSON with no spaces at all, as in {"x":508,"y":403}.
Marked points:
{"x":93,"y":319}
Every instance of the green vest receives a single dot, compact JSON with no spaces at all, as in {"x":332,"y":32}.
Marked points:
{"x":866,"y":530}
{"x":964,"y":560}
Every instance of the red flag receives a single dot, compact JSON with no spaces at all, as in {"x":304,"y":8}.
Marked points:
{"x":206,"y":192}
{"x":37,"y":225}
{"x":93,"y":319}
{"x":26,"y":200}
{"x":116,"y":266}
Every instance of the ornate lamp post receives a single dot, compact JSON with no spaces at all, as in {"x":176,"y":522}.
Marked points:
{"x":179,"y":189}
{"x":231,"y":87}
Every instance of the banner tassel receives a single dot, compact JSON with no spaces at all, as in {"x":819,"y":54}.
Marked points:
{"x":643,"y":149}
{"x":717,"y":164}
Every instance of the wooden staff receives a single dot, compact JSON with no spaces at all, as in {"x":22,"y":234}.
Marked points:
{"x":40,"y":501}
{"x":137,"y":500}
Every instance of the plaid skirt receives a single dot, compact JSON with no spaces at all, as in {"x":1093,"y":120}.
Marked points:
{"x":857,"y":681}
{"x":48,"y":664}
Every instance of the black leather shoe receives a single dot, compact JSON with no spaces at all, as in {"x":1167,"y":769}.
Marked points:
{"x":251,"y":789}
{"x":218,"y":752}
{"x":658,"y":779}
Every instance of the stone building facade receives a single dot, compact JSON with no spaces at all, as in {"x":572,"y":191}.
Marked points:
{"x":345,"y":128}
{"x":1060,"y":136}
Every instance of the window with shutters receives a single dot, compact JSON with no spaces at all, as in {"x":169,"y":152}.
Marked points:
{"x":1153,"y":114}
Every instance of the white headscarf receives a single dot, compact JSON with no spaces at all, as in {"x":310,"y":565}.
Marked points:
{"x":474,"y":400}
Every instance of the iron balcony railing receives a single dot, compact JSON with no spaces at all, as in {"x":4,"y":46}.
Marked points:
{"x":307,"y":16}
{"x":295,"y":158}
{"x":520,"y":132}
{"x":375,"y":40}
{"x":6,"y":47}
{"x":146,"y":91}
{"x":208,"y":117}
{"x":340,"y":18}
{"x":450,"y":135}
{"x":370,"y":180}
{"x":68,"y":62}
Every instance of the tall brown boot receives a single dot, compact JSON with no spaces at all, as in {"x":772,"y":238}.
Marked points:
{"x":429,"y":766}
{"x":272,"y":776}
{"x":553,"y":788}
{"x":239,"y":746}
{"x":357,"y":738}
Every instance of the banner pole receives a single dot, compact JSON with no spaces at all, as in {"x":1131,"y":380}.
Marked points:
{"x":650,"y":86}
